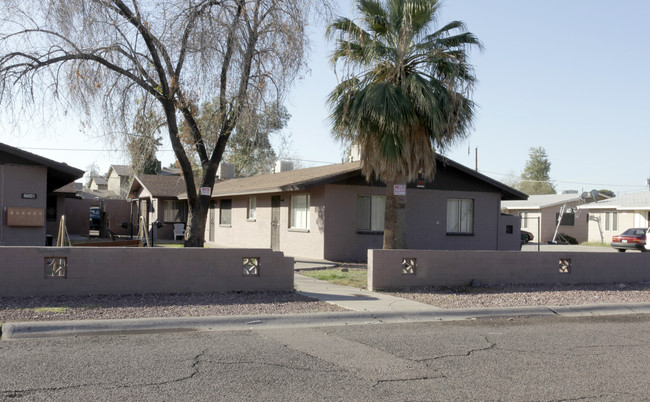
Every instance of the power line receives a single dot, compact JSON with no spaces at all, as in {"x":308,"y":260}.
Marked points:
{"x":84,"y":149}
{"x":327,"y":162}
{"x":159,"y":150}
{"x":563,"y":181}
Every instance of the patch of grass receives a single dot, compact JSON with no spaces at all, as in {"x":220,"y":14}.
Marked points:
{"x":170,"y":245}
{"x":354,"y":277}
{"x":58,"y":310}
{"x":595,"y":244}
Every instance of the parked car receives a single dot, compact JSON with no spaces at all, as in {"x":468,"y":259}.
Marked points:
{"x":95,"y":221}
{"x":526,"y":237}
{"x":631,"y":239}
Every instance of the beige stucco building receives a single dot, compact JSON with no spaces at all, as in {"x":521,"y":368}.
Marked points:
{"x":615,"y":215}
{"x":331,"y":212}
{"x":156,"y":199}
{"x":539,"y":215}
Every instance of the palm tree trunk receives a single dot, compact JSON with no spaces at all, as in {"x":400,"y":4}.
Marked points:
{"x":395,"y":216}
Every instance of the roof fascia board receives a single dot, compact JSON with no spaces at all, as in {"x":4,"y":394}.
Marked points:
{"x":497,"y":184}
{"x":522,"y":208}
{"x":49,"y":163}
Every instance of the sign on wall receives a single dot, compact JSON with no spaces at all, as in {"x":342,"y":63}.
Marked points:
{"x":34,"y":217}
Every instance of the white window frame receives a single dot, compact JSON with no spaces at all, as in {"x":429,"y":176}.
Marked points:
{"x":460,"y":216}
{"x":374,"y":212}
{"x":222,"y":216}
{"x":251,"y":212}
{"x":299,"y":212}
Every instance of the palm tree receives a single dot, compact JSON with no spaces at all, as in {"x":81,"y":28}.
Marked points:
{"x":404,"y":95}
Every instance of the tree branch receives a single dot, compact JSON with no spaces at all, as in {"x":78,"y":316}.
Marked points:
{"x":188,"y":30}
{"x":37,"y":63}
{"x":151,"y":43}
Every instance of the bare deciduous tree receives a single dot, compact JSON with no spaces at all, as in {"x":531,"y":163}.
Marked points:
{"x":106,"y":56}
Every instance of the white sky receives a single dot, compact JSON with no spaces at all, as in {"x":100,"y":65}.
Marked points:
{"x":569,"y":76}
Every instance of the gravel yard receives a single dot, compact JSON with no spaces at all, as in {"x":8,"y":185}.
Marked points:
{"x":519,"y":295}
{"x":249,"y":303}
{"x":162,"y":305}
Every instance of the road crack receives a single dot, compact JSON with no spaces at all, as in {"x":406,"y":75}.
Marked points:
{"x":25,"y":392}
{"x":196,"y":361}
{"x":490,"y":346}
{"x":380,"y":382}
{"x":278,"y":365}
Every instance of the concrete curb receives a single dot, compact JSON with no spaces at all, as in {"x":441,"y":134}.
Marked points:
{"x":48,"y":329}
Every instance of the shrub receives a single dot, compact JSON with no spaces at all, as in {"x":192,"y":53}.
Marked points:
{"x":568,"y":239}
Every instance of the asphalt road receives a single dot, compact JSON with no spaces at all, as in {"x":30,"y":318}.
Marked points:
{"x":600,"y":358}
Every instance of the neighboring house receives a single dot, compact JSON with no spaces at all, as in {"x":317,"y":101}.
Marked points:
{"x":166,"y":171}
{"x":109,"y":195}
{"x":539,"y":215}
{"x":612,"y":216}
{"x":98,"y":183}
{"x":155,"y":197}
{"x":30,"y":207}
{"x":119,"y":179}
{"x":332,"y":212}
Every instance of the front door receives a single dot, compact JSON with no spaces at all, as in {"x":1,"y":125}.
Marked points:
{"x":275,"y":223}
{"x":213,"y":213}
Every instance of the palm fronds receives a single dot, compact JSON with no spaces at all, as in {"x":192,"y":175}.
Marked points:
{"x":406,"y":90}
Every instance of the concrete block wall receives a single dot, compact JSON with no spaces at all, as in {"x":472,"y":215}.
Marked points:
{"x":122,"y":270}
{"x":457,"y":268}
{"x":14,"y":181}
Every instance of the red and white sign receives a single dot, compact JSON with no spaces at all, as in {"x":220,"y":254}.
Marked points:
{"x":206,"y":191}
{"x":399,"y":189}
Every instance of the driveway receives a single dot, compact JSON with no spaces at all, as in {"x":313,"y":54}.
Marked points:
{"x":566,"y":247}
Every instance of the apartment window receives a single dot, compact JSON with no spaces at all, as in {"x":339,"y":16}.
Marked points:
{"x":615,"y":221}
{"x":175,"y":211}
{"x":252,"y":207}
{"x":370,"y":212}
{"x":524,"y":220}
{"x":225,"y":213}
{"x":460,"y":215}
{"x":299,"y":217}
{"x":607,"y":219}
{"x":568,"y":219}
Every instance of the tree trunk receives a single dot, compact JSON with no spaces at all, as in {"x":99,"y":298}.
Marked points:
{"x":395,"y":216}
{"x":196,"y":220}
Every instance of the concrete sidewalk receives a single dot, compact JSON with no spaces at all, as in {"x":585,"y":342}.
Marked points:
{"x":357,"y":299}
{"x":306,"y":263}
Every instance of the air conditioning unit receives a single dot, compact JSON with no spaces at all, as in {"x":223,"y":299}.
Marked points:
{"x":226,"y":170}
{"x":283,"y":166}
